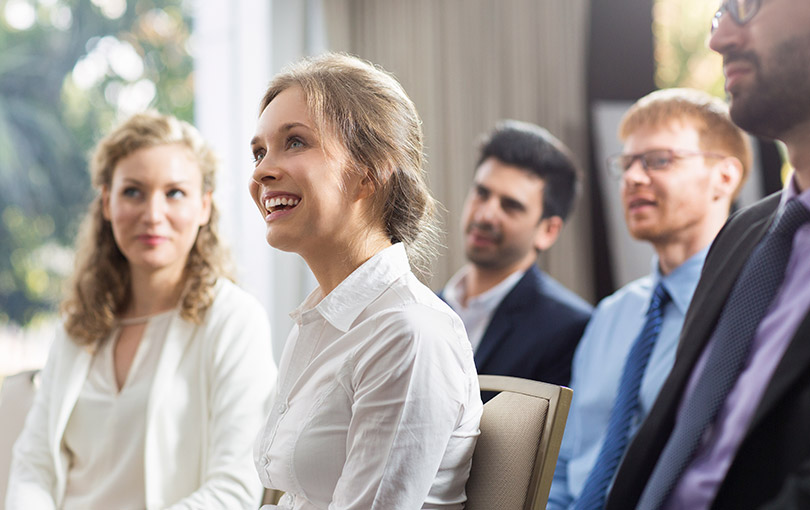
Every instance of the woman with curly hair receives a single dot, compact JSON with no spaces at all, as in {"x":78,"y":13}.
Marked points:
{"x":377,"y":403}
{"x":158,"y":380}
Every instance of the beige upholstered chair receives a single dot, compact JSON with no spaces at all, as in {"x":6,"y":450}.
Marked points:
{"x":271,"y":496}
{"x":16,"y":395}
{"x":521,"y":432}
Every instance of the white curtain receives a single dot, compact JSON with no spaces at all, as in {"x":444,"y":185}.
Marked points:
{"x":467,"y":64}
{"x":238,"y":46}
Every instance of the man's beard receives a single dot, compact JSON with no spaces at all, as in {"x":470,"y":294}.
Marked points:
{"x":487,"y":259}
{"x":779,"y":97}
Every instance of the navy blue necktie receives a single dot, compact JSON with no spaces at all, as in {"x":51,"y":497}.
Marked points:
{"x":745,"y":307}
{"x":625,"y":407}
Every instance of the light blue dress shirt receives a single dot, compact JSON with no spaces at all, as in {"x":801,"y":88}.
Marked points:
{"x":598,"y":365}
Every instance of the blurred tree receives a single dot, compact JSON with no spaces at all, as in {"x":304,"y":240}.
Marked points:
{"x":68,"y":71}
{"x":681,"y":30}
{"x":682,"y":55}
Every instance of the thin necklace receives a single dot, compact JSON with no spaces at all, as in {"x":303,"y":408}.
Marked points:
{"x":130,"y":321}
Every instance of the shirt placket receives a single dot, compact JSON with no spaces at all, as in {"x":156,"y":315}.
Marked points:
{"x":309,"y":331}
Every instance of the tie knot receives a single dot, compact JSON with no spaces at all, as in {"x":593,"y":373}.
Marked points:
{"x":794,"y":216}
{"x":659,"y":299}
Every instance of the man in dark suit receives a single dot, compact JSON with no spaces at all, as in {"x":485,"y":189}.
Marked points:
{"x":520,"y":321}
{"x":731,"y":426}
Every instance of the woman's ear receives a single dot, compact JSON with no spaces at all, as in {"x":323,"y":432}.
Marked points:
{"x":205,"y":213}
{"x":366,"y":187}
{"x":372,"y":181}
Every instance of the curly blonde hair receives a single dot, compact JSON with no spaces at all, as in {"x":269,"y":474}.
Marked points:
{"x":368,"y":112}
{"x":101,"y":284}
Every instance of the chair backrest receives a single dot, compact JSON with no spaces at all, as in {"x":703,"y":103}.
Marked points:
{"x":271,"y":496}
{"x":521,"y":431}
{"x":16,"y":396}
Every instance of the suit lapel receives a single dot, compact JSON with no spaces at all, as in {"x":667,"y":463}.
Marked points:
{"x":73,"y":386}
{"x":716,"y":281}
{"x":74,"y":366}
{"x":501,"y":323}
{"x":716,"y":286}
{"x":497,"y":329}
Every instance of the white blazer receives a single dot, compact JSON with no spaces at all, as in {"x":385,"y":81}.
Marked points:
{"x":208,"y":401}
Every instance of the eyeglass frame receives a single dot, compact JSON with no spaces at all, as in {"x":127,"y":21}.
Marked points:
{"x":734,"y":13}
{"x":617,"y":171}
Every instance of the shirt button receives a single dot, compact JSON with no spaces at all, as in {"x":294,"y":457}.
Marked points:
{"x":282,"y":408}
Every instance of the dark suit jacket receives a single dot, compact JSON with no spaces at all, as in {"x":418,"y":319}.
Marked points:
{"x":534,"y":331}
{"x":771,"y":469}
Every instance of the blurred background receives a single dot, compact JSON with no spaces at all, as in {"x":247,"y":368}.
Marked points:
{"x":71,"y":69}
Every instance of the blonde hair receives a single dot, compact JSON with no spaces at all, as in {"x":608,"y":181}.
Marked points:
{"x":101,"y":284}
{"x":706,"y":113}
{"x":368,"y":113}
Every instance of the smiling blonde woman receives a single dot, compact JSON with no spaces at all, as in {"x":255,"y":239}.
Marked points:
{"x":377,"y":404}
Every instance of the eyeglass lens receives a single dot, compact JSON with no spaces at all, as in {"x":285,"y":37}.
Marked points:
{"x":741,"y":11}
{"x":653,"y":160}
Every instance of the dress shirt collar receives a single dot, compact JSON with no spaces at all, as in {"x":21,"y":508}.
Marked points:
{"x":682,"y":281}
{"x":453,"y":292}
{"x":365,"y":284}
{"x":456,"y":290}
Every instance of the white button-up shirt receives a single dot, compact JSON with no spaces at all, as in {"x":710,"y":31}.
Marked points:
{"x":377,"y":404}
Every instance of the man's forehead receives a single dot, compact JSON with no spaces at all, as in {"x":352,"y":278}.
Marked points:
{"x":676,"y":134}
{"x":509,"y":181}
{"x":494,"y":169}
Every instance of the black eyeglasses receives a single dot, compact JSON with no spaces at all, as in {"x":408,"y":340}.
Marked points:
{"x":657,"y":159}
{"x":741,"y":11}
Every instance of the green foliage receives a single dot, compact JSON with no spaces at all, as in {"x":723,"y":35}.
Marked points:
{"x":683,"y":58}
{"x":67,"y":75}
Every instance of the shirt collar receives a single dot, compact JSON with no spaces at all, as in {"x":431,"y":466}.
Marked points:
{"x":456,"y":290}
{"x":365,"y":284}
{"x":453,"y":292}
{"x":683,"y":280}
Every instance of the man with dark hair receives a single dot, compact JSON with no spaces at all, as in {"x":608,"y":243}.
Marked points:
{"x":521,"y":322}
{"x":729,"y":429}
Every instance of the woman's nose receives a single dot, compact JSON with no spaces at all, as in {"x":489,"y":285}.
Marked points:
{"x":155,"y":208}
{"x":264,"y":171}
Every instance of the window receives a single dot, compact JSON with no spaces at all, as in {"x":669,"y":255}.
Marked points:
{"x":63,"y":83}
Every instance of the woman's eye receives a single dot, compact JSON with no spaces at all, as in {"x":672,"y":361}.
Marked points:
{"x":176,"y":193}
{"x":294,"y":142}
{"x":131,"y":192}
{"x":257,"y":157}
